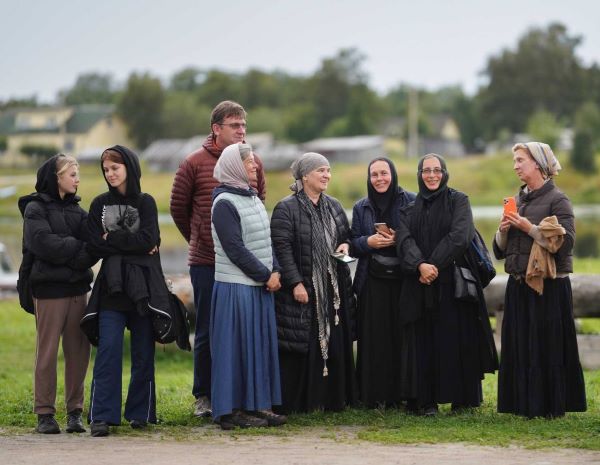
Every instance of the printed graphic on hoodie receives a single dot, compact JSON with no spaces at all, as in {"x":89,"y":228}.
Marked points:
{"x":120,"y":217}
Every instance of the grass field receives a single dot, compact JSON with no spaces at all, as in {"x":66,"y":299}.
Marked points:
{"x":174,"y":373}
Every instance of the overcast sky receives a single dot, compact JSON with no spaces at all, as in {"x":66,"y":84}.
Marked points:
{"x":44,"y":46}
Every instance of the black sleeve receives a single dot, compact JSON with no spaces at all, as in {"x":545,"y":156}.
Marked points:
{"x":147,"y":236}
{"x":39,"y":238}
{"x":226,"y":221}
{"x":283,"y":236}
{"x":406,"y":247}
{"x":455,"y":243}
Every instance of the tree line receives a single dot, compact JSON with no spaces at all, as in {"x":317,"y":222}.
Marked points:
{"x":539,"y":86}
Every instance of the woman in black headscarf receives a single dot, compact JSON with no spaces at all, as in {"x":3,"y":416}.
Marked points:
{"x":377,"y":284}
{"x":447,"y":343}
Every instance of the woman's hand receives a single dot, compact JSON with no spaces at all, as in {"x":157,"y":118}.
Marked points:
{"x":504,"y":224}
{"x":274,"y":282}
{"x":300,"y":293}
{"x":343,"y":248}
{"x":429,"y":273}
{"x":379,"y":240}
{"x":519,"y":222}
{"x":105,"y":235}
{"x":153,"y":250}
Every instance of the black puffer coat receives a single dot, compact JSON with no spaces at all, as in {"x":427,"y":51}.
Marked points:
{"x":54,"y":234}
{"x":291,"y":233}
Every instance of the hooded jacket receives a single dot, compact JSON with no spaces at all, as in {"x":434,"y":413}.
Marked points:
{"x":54,"y":236}
{"x":131,"y":221}
{"x":191,"y":200}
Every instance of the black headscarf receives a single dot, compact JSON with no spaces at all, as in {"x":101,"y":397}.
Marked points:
{"x":47,"y":180}
{"x":134,"y":172}
{"x":431,"y":216}
{"x":381,"y":202}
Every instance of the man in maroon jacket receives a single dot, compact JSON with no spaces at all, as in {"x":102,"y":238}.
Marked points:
{"x":191,"y":199}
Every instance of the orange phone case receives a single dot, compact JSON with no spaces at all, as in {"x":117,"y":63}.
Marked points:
{"x":510,"y":206}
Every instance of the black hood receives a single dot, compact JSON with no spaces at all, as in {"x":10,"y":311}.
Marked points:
{"x":46,"y":186}
{"x":134,"y":172}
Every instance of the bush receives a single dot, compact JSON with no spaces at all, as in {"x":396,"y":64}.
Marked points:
{"x":39,"y":150}
{"x":586,"y":245}
{"x":582,"y":155}
{"x":3,"y":143}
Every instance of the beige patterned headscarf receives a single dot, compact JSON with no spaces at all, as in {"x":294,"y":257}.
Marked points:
{"x":543,"y":156}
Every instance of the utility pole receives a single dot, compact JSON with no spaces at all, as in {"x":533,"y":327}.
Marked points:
{"x":413,"y":123}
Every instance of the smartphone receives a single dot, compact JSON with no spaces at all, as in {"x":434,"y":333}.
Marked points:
{"x":510,"y":206}
{"x":383,"y":227}
{"x":342,"y":257}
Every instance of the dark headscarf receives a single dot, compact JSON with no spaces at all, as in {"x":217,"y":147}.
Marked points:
{"x":423,"y":190}
{"x":47,"y":180}
{"x":134,"y":172}
{"x":381,"y":202}
{"x":431,"y":216}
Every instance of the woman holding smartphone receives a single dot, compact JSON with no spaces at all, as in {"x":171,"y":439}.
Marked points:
{"x":377,"y":284}
{"x":540,"y":374}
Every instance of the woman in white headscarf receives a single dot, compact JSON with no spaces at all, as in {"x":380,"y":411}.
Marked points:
{"x":540,"y":373}
{"x":315,"y":305}
{"x":243,"y":335}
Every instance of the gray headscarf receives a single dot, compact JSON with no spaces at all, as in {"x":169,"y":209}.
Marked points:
{"x":308,"y":162}
{"x":543,"y":156}
{"x":230,"y":169}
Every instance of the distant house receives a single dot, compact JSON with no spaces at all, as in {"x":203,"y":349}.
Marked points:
{"x":74,"y":130}
{"x":355,"y":149}
{"x":167,"y":154}
{"x":442,"y":135}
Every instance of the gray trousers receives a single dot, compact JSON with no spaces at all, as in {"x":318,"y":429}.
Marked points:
{"x":56,"y":317}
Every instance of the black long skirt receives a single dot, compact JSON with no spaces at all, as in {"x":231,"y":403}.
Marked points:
{"x":540,"y":373}
{"x":303,"y":386}
{"x":379,"y":343}
{"x":441,"y":357}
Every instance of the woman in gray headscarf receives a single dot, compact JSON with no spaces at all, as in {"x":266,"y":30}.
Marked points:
{"x":540,"y":373}
{"x":315,"y":306}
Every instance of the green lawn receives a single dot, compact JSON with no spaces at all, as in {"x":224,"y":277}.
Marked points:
{"x":174,"y":373}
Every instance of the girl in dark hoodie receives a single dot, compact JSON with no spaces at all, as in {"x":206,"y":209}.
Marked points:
{"x":122,"y":222}
{"x":60,"y":277}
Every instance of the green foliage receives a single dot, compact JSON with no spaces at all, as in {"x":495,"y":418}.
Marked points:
{"x":90,"y":88}
{"x":183,"y":117}
{"x":3,"y":143}
{"x":586,"y":245}
{"x":543,"y":72}
{"x":39,"y":151}
{"x":582,"y":155}
{"x":141,"y":107}
{"x":543,"y":126}
{"x":587,"y":119}
{"x":266,"y":119}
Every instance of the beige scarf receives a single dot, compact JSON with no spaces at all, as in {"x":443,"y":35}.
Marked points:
{"x":541,"y":261}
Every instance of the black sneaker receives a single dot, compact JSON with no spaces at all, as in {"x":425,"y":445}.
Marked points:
{"x":138,"y":424}
{"x":272,"y":418}
{"x":74,"y":422}
{"x":99,"y":429}
{"x":241,"y":419}
{"x":47,"y":424}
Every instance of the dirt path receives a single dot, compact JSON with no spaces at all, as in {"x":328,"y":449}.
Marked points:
{"x":314,"y":447}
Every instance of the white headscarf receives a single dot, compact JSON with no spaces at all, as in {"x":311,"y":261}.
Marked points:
{"x":230,"y":169}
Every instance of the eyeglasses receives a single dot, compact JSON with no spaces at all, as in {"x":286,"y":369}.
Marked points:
{"x":428,"y":171}
{"x":235,"y":126}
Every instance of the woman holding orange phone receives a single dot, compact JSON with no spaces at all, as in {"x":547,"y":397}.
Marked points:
{"x":377,"y":283}
{"x":540,"y":374}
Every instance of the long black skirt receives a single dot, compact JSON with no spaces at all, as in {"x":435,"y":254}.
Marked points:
{"x":379,"y":343}
{"x":303,"y":386}
{"x":540,"y":373}
{"x":441,"y":356}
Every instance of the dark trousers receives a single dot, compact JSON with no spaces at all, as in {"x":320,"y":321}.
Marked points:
{"x":105,"y":403}
{"x":203,"y":279}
